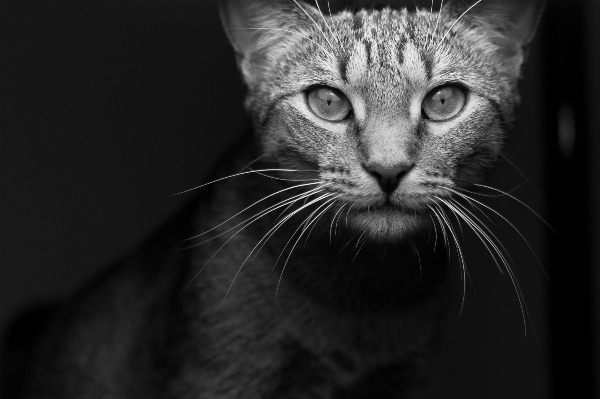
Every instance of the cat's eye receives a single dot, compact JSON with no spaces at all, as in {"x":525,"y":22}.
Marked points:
{"x":443,"y":102}
{"x":328,"y":103}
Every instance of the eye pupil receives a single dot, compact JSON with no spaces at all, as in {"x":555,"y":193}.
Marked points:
{"x":328,"y":96}
{"x":442,"y":95}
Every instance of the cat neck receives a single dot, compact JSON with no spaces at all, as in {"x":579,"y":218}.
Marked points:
{"x":336,"y":269}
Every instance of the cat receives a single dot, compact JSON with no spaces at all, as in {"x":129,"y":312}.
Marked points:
{"x":319,"y":269}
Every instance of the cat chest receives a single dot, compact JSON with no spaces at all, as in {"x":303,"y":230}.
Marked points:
{"x":338,"y":375}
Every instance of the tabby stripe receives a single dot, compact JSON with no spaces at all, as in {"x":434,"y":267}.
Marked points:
{"x":343,"y":66}
{"x":368,"y":51}
{"x":266,"y":117}
{"x":498,"y":109}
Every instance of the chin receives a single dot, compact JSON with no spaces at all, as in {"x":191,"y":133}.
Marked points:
{"x":388,"y":224}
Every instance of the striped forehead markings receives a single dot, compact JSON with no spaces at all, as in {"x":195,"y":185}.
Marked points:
{"x":402,"y":56}
{"x":368,"y":50}
{"x":346,"y":59}
{"x":358,"y":64}
{"x":413,"y":67}
{"x":357,"y":22}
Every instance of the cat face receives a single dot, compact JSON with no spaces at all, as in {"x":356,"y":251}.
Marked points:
{"x":391,"y":110}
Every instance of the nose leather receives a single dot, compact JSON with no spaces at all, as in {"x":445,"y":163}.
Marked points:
{"x":388,"y":177}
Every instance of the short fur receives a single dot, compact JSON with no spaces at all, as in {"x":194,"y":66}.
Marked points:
{"x":337,"y":289}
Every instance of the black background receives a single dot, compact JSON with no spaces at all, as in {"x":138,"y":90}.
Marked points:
{"x":106,"y":106}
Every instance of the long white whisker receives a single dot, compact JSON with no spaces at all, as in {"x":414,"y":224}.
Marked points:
{"x":505,"y":220}
{"x":471,"y":203}
{"x":306,"y":225}
{"x":294,"y":33}
{"x":347,"y":213}
{"x":301,"y":224}
{"x":503,"y":194}
{"x":229,"y":177}
{"x":337,"y":213}
{"x":247,"y":166}
{"x":481,"y":224}
{"x":282,"y":221}
{"x":436,"y":234}
{"x":316,"y":24}
{"x":443,"y":229}
{"x":279,"y":224}
{"x":465,"y":274}
{"x":292,"y":203}
{"x":511,"y":163}
{"x":479,"y":232}
{"x":284,"y":210}
{"x":261,"y":212}
{"x":483,"y":237}
{"x":344,"y":247}
{"x":445,"y":223}
{"x":458,"y":221}
{"x":477,"y":229}
{"x":308,"y":221}
{"x":456,"y":21}
{"x":337,"y":223}
{"x":437,"y":22}
{"x":331,"y":203}
{"x":496,"y":238}
{"x":247,"y":222}
{"x":326,"y":24}
{"x":361,"y":245}
{"x":520,"y":202}
{"x":429,"y":26}
{"x":507,"y":263}
{"x":416,"y":253}
{"x":280,"y":178}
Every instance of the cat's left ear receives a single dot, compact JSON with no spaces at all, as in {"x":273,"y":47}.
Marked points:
{"x":512,"y":23}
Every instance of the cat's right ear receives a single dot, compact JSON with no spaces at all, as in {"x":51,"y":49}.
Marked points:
{"x":253,"y":26}
{"x":238,"y":18}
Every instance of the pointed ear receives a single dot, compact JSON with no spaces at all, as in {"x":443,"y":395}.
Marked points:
{"x":254,"y":26}
{"x":510,"y":24}
{"x":240,"y":19}
{"x":526,"y":17}
{"x":517,"y":18}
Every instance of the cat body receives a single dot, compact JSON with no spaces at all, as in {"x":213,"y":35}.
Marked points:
{"x":321,"y":270}
{"x":155,"y":323}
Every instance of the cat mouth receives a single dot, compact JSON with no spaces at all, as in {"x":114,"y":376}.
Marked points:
{"x":387,"y":221}
{"x":406,"y":205}
{"x":391,"y":210}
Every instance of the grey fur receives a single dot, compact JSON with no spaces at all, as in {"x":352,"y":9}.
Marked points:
{"x":347,"y":297}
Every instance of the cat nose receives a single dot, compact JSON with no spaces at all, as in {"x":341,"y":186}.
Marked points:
{"x":388,"y":177}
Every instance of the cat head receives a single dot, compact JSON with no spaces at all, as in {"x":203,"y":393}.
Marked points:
{"x":392,"y":110}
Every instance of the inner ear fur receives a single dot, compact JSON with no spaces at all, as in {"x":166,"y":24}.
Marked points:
{"x":516,"y":19}
{"x":509,"y":24}
{"x":252,"y":25}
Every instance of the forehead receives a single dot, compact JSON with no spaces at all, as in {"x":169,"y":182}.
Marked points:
{"x":385,"y":53}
